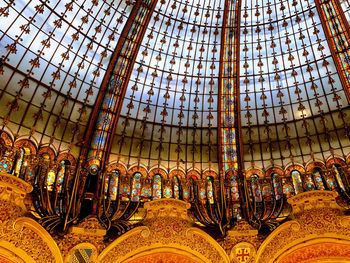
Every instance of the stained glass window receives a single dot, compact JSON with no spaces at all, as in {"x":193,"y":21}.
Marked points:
{"x":318,"y":179}
{"x":338,"y":176}
{"x":176,"y":188}
{"x":19,"y":162}
{"x":297,"y":182}
{"x":267,"y":193}
{"x":288,"y":190}
{"x":30,"y":175}
{"x":277,"y":186}
{"x":136,"y":187}
{"x":50,"y":181}
{"x":309,"y":183}
{"x":332,"y":185}
{"x":5,"y":165}
{"x":234,"y":189}
{"x":202,"y":191}
{"x":256,"y":188}
{"x":210,"y":193}
{"x":60,"y":176}
{"x":113,"y":181}
{"x":157,"y":187}
{"x":167,"y":192}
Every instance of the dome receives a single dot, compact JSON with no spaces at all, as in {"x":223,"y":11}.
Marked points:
{"x":232,"y":106}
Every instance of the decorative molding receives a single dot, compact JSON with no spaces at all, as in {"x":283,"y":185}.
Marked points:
{"x":317,"y":216}
{"x":167,"y":227}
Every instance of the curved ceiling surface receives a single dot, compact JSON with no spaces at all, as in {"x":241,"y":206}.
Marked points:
{"x":54,"y":56}
{"x":169,"y":115}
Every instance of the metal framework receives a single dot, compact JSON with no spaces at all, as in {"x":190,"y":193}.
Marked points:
{"x":337,"y":31}
{"x":105,"y":116}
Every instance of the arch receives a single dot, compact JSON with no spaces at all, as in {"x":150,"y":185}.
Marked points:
{"x":273,"y":170}
{"x":159,"y":171}
{"x":194,"y":174}
{"x":6,"y":139}
{"x":117,"y":166}
{"x":334,"y":160}
{"x":177,"y":172}
{"x":210,"y":173}
{"x":164,"y":256}
{"x":139,"y":169}
{"x":296,"y":167}
{"x":26,"y":143}
{"x":49,"y":151}
{"x":311,"y":165}
{"x":67,"y":156}
{"x":323,"y":250}
{"x":348,"y":159}
{"x":255,"y":171}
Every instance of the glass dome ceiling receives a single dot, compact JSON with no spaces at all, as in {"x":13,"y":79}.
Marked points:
{"x":54,"y":57}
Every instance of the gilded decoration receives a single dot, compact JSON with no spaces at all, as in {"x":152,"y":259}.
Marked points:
{"x":323,"y":252}
{"x":166,"y":226}
{"x":163,"y":257}
{"x":88,"y":233}
{"x":243,"y":253}
{"x":316,"y":216}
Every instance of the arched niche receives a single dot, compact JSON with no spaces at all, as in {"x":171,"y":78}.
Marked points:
{"x":317,"y":250}
{"x":318,"y":221}
{"x":164,"y":254}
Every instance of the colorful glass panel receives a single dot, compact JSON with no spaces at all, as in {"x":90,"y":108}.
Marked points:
{"x":5,"y":165}
{"x":297,"y":182}
{"x":113,"y":185}
{"x":136,"y":187}
{"x":19,"y":163}
{"x":118,"y":80}
{"x":210,"y":193}
{"x":50,"y":181}
{"x":176,"y":188}
{"x":309,"y":184}
{"x":168,"y":192}
{"x":60,"y":176}
{"x":318,"y":179}
{"x":277,"y":186}
{"x":267,"y":192}
{"x":288,"y":190}
{"x":146,"y":191}
{"x":229,"y":88}
{"x":338,"y":177}
{"x":234,"y":189}
{"x":157,"y":187}
{"x":336,"y":25}
{"x":30,"y":175}
{"x":256,"y":188}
